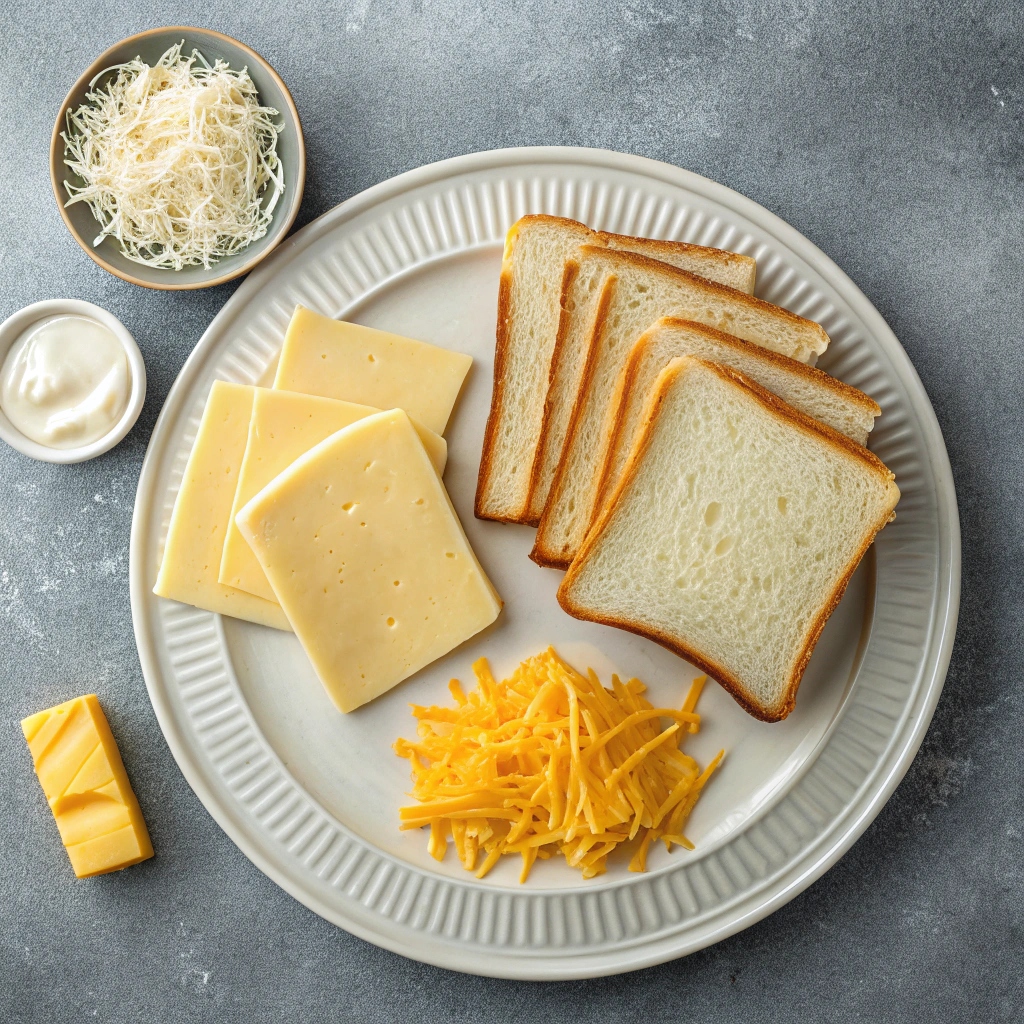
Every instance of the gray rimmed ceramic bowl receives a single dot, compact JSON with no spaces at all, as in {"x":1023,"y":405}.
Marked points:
{"x":149,"y":46}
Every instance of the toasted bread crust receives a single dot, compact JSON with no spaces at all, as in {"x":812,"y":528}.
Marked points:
{"x":480,"y":509}
{"x":800,"y":419}
{"x":613,"y":241}
{"x":723,"y":290}
{"x":834,"y":384}
{"x":543,"y":553}
{"x":728,"y":681}
{"x":717,"y":672}
{"x":625,"y":386}
{"x":535,"y":509}
{"x":569,"y":273}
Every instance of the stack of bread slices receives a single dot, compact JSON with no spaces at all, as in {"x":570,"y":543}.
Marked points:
{"x":662,"y":428}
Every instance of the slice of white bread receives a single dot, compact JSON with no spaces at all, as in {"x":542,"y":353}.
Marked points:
{"x":530,"y":296}
{"x":637,"y":292}
{"x":809,"y":390}
{"x":733,"y":533}
{"x":581,"y":299}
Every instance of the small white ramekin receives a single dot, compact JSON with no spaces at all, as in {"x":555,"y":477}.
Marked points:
{"x":12,"y":329}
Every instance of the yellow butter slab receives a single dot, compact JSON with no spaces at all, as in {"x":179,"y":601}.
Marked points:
{"x":202,"y":511}
{"x":336,"y":359}
{"x":367,"y":556}
{"x":110,"y":852}
{"x":83,"y":778}
{"x":284,"y":425}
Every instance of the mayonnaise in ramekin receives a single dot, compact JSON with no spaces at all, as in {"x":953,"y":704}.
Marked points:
{"x":65,"y":381}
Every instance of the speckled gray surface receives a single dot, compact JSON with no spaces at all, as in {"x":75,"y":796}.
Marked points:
{"x":891,"y":135}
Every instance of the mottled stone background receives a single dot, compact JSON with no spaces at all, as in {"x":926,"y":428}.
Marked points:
{"x":891,"y":135}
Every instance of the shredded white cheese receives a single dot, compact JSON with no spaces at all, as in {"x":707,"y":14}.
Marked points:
{"x":179,"y":160}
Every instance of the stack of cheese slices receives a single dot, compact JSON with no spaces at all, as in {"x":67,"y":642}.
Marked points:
{"x":317,"y":505}
{"x":661,"y":427}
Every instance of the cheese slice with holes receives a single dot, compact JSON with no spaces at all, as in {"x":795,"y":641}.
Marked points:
{"x":284,"y":425}
{"x":83,"y":778}
{"x":335,"y":359}
{"x":199,"y":523}
{"x":366,"y":555}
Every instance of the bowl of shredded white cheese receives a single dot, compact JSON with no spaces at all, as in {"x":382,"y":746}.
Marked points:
{"x":177,"y":159}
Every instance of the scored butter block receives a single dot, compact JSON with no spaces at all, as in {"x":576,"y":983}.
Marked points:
{"x":284,"y":425}
{"x":336,"y":359}
{"x":195,"y":537}
{"x":84,"y":781}
{"x":369,"y":560}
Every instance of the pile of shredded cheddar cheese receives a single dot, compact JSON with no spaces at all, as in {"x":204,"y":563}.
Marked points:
{"x":549,"y":760}
{"x":175,"y":160}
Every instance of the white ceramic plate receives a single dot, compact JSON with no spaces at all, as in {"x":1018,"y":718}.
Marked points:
{"x":312,"y":796}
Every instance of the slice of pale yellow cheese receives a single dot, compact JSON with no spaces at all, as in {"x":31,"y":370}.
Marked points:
{"x":284,"y":425}
{"x":366,"y":555}
{"x":202,"y":511}
{"x":336,"y":359}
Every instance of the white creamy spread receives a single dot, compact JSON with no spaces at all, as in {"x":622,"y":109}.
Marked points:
{"x":65,"y":382}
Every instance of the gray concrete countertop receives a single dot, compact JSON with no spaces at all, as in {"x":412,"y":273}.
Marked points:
{"x":891,"y":134}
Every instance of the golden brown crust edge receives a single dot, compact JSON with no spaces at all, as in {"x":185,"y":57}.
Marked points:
{"x":800,"y":419}
{"x":534,"y":512}
{"x":668,"y":323}
{"x":621,"y":398}
{"x":723,"y":290}
{"x":721,"y":675}
{"x":834,"y":384}
{"x":816,"y":628}
{"x":628,"y":379}
{"x":528,"y":515}
{"x":533,"y":515}
{"x":500,"y":356}
{"x":542,"y":553}
{"x":665,"y":245}
{"x":480,"y":509}
{"x":716,"y":672}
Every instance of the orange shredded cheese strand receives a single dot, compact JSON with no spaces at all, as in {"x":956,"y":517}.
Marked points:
{"x":550,"y":761}
{"x":695,"y":691}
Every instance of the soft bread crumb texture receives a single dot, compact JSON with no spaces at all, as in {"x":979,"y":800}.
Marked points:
{"x":537,"y":250}
{"x":807,"y":389}
{"x":731,"y":536}
{"x":640,"y":292}
{"x":535,"y":257}
{"x":580,"y":306}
